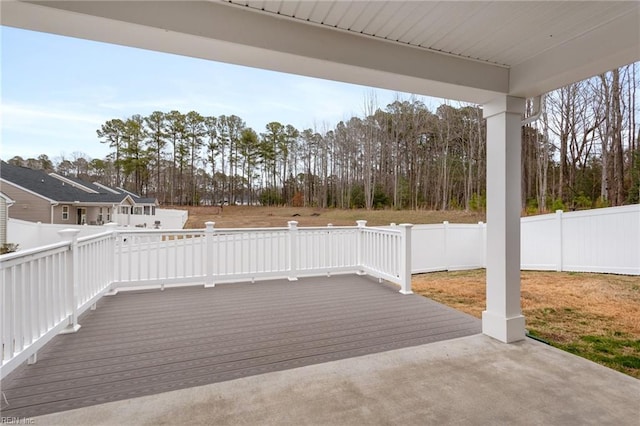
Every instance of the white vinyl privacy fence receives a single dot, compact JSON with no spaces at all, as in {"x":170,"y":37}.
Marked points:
{"x":602,"y":240}
{"x":44,"y":290}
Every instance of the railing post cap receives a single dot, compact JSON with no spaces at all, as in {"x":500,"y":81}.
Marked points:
{"x":292,"y":224}
{"x":361,"y":223}
{"x":559,"y":211}
{"x":406,"y":225}
{"x":209,"y":224}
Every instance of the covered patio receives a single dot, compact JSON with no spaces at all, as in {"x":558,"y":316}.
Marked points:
{"x":496,"y":54}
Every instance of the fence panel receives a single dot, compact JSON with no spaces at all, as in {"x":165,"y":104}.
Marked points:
{"x":602,"y":240}
{"x":249,"y":254}
{"x":154,"y":257}
{"x":540,"y":243}
{"x":464,"y":246}
{"x":428,"y":248}
{"x":326,"y":250}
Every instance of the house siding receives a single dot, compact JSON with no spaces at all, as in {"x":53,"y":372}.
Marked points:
{"x":57,"y":215}
{"x":27,"y":206}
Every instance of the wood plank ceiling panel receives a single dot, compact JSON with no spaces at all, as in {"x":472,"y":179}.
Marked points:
{"x":397,"y":21}
{"x":506,"y":33}
{"x":375,"y":26}
{"x":343,"y":13}
{"x":320,"y":11}
{"x":412,"y":30}
{"x":287,"y":8}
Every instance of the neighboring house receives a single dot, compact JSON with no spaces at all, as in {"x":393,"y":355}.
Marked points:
{"x":51,"y":198}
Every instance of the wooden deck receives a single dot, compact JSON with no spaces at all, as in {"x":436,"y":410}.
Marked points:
{"x":147,"y":342}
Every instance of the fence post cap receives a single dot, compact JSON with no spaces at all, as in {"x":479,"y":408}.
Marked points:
{"x":361,"y":223}
{"x":406,"y":225}
{"x":209,"y":225}
{"x":292,"y":224}
{"x":69,"y":234}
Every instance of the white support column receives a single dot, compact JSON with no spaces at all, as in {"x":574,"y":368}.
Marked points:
{"x":503,"y":318}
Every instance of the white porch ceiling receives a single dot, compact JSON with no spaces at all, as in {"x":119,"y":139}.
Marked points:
{"x":467,"y":50}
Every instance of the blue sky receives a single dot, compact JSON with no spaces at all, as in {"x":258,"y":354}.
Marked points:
{"x":57,"y":91}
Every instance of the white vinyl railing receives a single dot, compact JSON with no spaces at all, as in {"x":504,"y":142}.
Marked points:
{"x":43,"y":291}
{"x":383,"y":252}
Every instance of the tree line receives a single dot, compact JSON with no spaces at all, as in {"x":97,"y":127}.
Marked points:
{"x":583,"y":152}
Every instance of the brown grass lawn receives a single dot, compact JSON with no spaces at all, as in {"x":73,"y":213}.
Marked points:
{"x":258,"y":217}
{"x":596,"y":316}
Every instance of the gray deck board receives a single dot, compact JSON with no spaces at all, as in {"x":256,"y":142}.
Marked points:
{"x":145,"y":342}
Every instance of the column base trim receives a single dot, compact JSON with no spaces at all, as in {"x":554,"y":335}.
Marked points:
{"x":507,"y":330}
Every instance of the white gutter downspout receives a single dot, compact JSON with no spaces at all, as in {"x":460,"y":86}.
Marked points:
{"x":53,"y":204}
{"x":538,"y":108}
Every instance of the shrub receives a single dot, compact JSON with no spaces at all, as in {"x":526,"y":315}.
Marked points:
{"x":557,"y":205}
{"x":270,"y":197}
{"x":8,"y":248}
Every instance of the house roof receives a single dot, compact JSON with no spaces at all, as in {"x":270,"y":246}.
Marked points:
{"x":65,"y":189}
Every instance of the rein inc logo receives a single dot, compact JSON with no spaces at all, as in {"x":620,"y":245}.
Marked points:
{"x":17,"y":420}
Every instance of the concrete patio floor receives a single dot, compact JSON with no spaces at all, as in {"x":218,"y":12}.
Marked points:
{"x":470,"y":380}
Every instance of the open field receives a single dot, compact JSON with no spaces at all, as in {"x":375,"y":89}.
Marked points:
{"x":258,"y":217}
{"x":596,"y":316}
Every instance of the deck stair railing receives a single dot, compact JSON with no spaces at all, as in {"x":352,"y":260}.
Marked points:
{"x":44,"y":290}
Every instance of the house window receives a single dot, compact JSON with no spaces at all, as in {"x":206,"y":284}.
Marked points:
{"x":99,"y":215}
{"x":147,"y":210}
{"x":108,"y":215}
{"x":124,"y":209}
{"x":137,"y":210}
{"x":65,"y":212}
{"x":153,"y":210}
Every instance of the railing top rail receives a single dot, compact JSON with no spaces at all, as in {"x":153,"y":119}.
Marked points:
{"x":242,"y":230}
{"x":326,"y":228}
{"x":390,"y":230}
{"x":8,"y":258}
{"x":95,"y":236}
{"x":161,"y":231}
